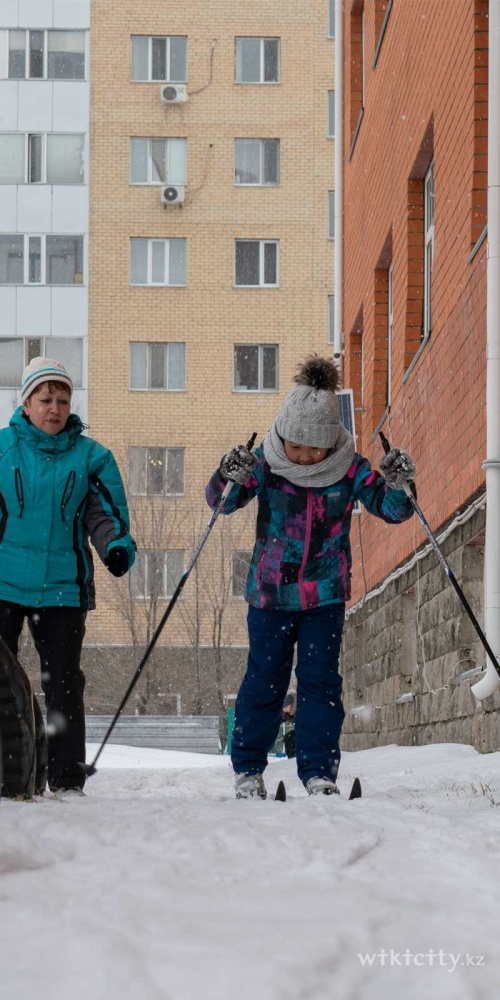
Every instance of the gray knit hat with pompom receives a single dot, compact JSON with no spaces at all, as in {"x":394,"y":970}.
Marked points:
{"x":310,"y":412}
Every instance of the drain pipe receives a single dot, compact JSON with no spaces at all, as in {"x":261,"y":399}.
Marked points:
{"x":338,"y":339}
{"x":491,"y":680}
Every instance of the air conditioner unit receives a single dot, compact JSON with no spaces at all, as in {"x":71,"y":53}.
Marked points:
{"x":346,"y":414}
{"x":173,"y":194}
{"x":173,"y":93}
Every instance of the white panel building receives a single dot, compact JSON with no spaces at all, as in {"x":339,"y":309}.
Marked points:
{"x":44,"y":191}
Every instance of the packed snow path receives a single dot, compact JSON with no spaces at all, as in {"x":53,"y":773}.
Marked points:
{"x":159,"y":885}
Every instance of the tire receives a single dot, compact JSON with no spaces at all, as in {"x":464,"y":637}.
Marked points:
{"x":22,"y":731}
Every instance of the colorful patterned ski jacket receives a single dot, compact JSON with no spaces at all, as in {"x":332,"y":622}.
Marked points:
{"x":55,"y":492}
{"x":302,"y":555}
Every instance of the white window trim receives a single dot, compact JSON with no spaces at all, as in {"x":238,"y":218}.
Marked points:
{"x":150,"y":344}
{"x":261,"y":283}
{"x":165,"y":492}
{"x":260,"y":371}
{"x":390,"y":330}
{"x":150,"y":78}
{"x":46,"y":349}
{"x":150,"y":182}
{"x":44,"y":135}
{"x":261,"y":82}
{"x":43,"y":255}
{"x":163,"y":596}
{"x":45,"y":32}
{"x":260,"y":183}
{"x":428,"y":251}
{"x":157,"y":284}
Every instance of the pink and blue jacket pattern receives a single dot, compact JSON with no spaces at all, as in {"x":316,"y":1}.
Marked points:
{"x":302,"y":554}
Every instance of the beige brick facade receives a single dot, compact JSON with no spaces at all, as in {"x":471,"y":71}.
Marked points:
{"x":209,"y":314}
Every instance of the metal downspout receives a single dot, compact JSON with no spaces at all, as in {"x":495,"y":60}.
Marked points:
{"x":491,"y":680}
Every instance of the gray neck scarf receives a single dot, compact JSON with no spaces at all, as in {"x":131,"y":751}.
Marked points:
{"x":331,"y":470}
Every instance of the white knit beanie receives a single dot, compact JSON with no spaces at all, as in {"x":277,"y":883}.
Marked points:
{"x":310,"y":412}
{"x":43,"y":370}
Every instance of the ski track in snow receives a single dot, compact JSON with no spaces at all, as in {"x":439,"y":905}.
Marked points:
{"x":159,"y":885}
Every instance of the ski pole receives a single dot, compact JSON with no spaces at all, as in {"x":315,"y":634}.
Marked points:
{"x":480,"y":690}
{"x":90,"y":769}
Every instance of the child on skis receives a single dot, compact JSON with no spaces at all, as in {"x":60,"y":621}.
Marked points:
{"x":307,"y":476}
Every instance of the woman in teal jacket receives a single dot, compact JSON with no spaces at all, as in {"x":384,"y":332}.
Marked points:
{"x":57,"y":490}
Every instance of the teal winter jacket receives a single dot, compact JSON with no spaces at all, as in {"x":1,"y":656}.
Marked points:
{"x":56,"y":491}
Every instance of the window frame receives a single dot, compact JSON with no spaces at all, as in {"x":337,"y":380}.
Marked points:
{"x":27,"y":50}
{"x":151,"y":344}
{"x":260,"y":183}
{"x":165,"y":492}
{"x":262,"y":68}
{"x":331,"y":113}
{"x":144,"y":554}
{"x":43,"y":237}
{"x":45,"y":350}
{"x":166,"y":140}
{"x":260,"y":367}
{"x":261,"y":283}
{"x":150,"y":78}
{"x":331,"y":18}
{"x":331,"y":215}
{"x":428,"y":251}
{"x":150,"y":240}
{"x":390,"y":332}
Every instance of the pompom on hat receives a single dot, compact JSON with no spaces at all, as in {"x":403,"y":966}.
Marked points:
{"x":42,"y":370}
{"x":310,"y":412}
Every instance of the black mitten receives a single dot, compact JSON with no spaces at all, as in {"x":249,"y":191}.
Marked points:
{"x":117,"y":560}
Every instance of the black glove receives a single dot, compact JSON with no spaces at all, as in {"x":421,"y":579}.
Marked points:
{"x":237,"y":465}
{"x":398,"y":468}
{"x":117,"y":560}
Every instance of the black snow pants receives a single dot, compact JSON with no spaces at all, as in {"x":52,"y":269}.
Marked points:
{"x":58,"y":636}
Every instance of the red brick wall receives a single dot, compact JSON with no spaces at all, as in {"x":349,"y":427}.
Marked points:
{"x":426,"y":98}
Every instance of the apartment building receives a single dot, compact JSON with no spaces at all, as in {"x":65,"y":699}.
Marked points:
{"x":210,"y":277}
{"x":44,"y":190}
{"x":415,"y":134}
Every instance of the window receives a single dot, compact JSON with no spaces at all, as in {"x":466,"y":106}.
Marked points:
{"x":256,"y":263}
{"x":257,"y":60}
{"x":41,"y":159}
{"x":12,"y":159}
{"x":331,"y":18}
{"x":156,"y":573}
{"x":158,"y":161}
{"x":331,"y":319}
{"x":240,"y":564}
{"x":257,"y":161}
{"x":41,"y":260}
{"x":390,"y":325}
{"x":428,"y":249}
{"x":157,"y":262}
{"x":17,"y":352}
{"x":159,"y":58}
{"x":331,"y":215}
{"x":156,"y":471}
{"x":158,"y":366}
{"x":46,"y":55}
{"x":331,"y":114}
{"x":255,"y":368}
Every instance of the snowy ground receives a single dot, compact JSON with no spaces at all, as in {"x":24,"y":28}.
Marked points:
{"x":159,"y":884}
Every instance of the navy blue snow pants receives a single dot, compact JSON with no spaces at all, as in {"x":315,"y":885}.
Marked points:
{"x":320,"y":712}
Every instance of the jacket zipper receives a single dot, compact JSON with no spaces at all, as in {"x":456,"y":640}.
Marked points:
{"x":19,"y":490}
{"x":307,"y":543}
{"x":67,"y":493}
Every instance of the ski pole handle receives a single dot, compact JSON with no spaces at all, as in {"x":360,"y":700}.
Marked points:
{"x":386,"y":446}
{"x":230,"y":483}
